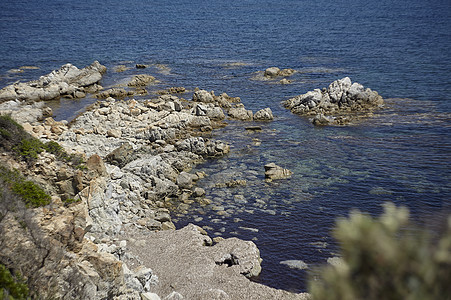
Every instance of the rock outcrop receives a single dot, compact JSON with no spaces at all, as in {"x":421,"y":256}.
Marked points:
{"x":341,"y":103}
{"x":68,"y":81}
{"x":192,"y":267}
{"x":273,"y":171}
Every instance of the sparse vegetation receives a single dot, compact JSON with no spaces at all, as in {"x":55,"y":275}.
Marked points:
{"x":69,"y":201}
{"x":31,"y":193}
{"x":12,"y":286}
{"x":13,"y":138}
{"x":382,"y":259}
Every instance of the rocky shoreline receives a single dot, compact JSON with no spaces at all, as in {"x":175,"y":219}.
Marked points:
{"x":117,"y":231}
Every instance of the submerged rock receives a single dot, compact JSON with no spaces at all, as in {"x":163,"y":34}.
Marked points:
{"x":343,"y":100}
{"x":274,"y":72}
{"x":295,"y":264}
{"x":141,"y":80}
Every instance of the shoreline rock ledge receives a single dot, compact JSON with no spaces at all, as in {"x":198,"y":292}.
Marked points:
{"x":68,"y":82}
{"x":341,"y":103}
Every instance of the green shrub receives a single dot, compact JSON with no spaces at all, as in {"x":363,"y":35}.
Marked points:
{"x":382,"y":259}
{"x":29,"y":148}
{"x":12,"y":287}
{"x":54,"y":148}
{"x":31,"y":193}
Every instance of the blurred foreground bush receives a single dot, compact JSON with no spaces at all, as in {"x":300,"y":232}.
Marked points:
{"x":385,"y":258}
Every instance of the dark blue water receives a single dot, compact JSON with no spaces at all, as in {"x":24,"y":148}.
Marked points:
{"x":399,"y":48}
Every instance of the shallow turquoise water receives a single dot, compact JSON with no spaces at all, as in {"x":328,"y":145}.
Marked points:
{"x":399,"y":48}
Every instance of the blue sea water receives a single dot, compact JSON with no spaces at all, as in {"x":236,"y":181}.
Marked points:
{"x":402,"y":49}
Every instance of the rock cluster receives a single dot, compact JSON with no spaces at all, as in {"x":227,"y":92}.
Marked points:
{"x":68,"y":81}
{"x":342,"y":102}
{"x":217,"y":106}
{"x":138,"y":155}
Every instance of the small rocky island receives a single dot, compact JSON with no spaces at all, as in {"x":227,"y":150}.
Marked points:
{"x":339,"y":104}
{"x":97,"y":194}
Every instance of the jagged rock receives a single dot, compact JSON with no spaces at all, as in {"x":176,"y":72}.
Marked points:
{"x":121,"y":156}
{"x":272,"y":171}
{"x":342,"y":97}
{"x":240,"y":113}
{"x":203,"y":147}
{"x":67,"y":81}
{"x":157,"y":133}
{"x":203,"y":96}
{"x":264,"y":115}
{"x":211,"y":111}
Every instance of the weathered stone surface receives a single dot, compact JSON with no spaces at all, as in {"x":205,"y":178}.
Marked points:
{"x":272,"y":172}
{"x":264,"y":115}
{"x":67,"y":81}
{"x":196,"y":271}
{"x":185,"y":180}
{"x":203,"y":96}
{"x":240,"y":113}
{"x":344,"y":100}
{"x":148,"y":147}
{"x":121,"y":155}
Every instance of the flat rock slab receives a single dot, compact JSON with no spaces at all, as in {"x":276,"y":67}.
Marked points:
{"x":186,"y":264}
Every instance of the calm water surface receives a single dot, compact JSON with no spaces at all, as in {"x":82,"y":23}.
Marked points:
{"x":399,"y":48}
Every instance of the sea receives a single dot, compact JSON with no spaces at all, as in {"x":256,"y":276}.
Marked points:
{"x":402,"y":154}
